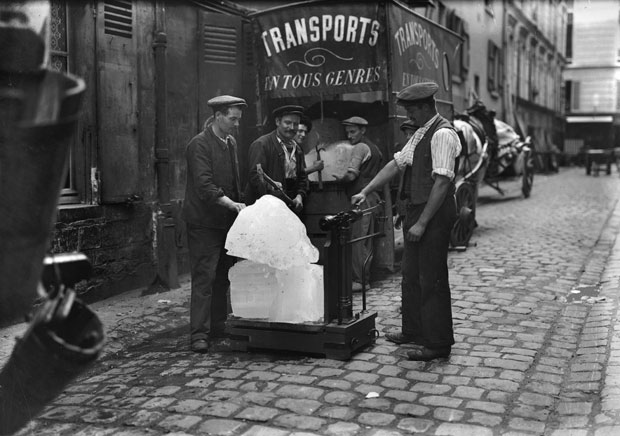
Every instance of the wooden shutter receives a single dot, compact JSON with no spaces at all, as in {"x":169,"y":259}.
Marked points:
{"x":491,"y":69}
{"x":220,"y":69}
{"x":575,"y":95}
{"x":117,"y":101}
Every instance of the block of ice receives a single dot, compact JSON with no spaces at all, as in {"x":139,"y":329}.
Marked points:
{"x":258,"y":291}
{"x":299,"y":296}
{"x":253,"y":287}
{"x":269,"y":232}
{"x":336,"y":158}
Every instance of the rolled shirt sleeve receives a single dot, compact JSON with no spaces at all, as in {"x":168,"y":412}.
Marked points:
{"x":359,"y":155}
{"x":405,"y":155}
{"x":445,"y":148}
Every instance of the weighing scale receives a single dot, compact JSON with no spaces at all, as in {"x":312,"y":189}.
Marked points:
{"x":343,"y":333}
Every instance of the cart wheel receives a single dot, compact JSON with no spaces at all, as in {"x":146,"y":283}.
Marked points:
{"x":466,"y":220}
{"x":528,"y":174}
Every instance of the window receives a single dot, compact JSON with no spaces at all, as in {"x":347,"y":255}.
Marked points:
{"x":574,"y":96}
{"x":457,"y":25}
{"x":488,"y":7}
{"x":569,"y":38}
{"x":59,"y":61}
{"x":441,"y":13}
{"x":494,"y":69}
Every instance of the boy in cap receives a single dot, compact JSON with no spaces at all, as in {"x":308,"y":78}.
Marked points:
{"x":281,"y":158}
{"x":212,"y":202}
{"x":366,"y":160}
{"x":303,"y":129}
{"x":428,"y":161}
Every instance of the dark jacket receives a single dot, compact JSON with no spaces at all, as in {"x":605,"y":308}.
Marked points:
{"x":268,"y":152}
{"x":419,"y":181}
{"x":212,"y":172}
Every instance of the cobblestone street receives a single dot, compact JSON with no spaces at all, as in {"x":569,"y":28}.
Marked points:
{"x":531,"y":357}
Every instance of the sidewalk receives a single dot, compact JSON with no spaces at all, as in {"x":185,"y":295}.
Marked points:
{"x":128,"y":319}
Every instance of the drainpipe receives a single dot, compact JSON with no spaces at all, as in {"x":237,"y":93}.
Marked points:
{"x":505,"y":72}
{"x":167,"y":271}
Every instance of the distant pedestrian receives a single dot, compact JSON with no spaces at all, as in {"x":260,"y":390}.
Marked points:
{"x":281,"y":159}
{"x":365,"y":163}
{"x":428,"y":161}
{"x":212,"y":202}
{"x":408,"y":128}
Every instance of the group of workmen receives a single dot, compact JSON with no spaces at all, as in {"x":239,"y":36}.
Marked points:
{"x":277,"y":167}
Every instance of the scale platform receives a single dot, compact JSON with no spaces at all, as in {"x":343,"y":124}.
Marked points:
{"x":332,"y":340}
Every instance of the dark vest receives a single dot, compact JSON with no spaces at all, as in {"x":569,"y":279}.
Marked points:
{"x":418,"y":181}
{"x":368,"y":170}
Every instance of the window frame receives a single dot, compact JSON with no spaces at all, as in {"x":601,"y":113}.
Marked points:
{"x":69,"y":193}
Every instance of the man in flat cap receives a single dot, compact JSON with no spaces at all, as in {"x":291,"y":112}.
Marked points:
{"x":212,"y":201}
{"x":428,"y":161}
{"x":366,"y":161}
{"x":280,"y":158}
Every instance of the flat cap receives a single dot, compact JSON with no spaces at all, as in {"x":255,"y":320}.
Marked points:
{"x":226,"y":100}
{"x":355,"y":121}
{"x":408,"y":125}
{"x":287,"y":110}
{"x":417,"y":91}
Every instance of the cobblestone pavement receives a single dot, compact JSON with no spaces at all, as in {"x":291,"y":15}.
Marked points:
{"x":532,"y":356}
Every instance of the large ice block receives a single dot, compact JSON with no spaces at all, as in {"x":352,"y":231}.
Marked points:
{"x":258,"y":291}
{"x":335,"y":156}
{"x":253,"y":287}
{"x":269,"y":232}
{"x":299,"y":296}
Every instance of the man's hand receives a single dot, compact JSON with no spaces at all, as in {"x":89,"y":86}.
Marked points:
{"x":358,"y":199}
{"x":318,"y":165}
{"x":299,"y":204}
{"x":237,"y":207}
{"x":416,"y":231}
{"x":230,"y":204}
{"x":398,"y":221}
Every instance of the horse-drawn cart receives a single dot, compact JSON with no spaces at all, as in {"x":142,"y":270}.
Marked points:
{"x":492,"y":152}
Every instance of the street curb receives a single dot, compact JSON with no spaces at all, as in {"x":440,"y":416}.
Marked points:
{"x":595,"y":363}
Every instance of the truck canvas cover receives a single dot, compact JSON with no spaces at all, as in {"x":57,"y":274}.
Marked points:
{"x":321,"y":48}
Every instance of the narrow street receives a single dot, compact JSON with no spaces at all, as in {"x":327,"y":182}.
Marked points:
{"x":532,"y":356}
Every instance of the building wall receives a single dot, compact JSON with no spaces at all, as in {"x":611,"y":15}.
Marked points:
{"x":534,"y":44}
{"x":594,"y":63}
{"x":592,"y":77}
{"x":110,"y":218}
{"x":484,"y":27}
{"x":128,"y":179}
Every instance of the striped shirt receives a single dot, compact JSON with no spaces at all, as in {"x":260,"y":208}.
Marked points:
{"x":445,"y":147}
